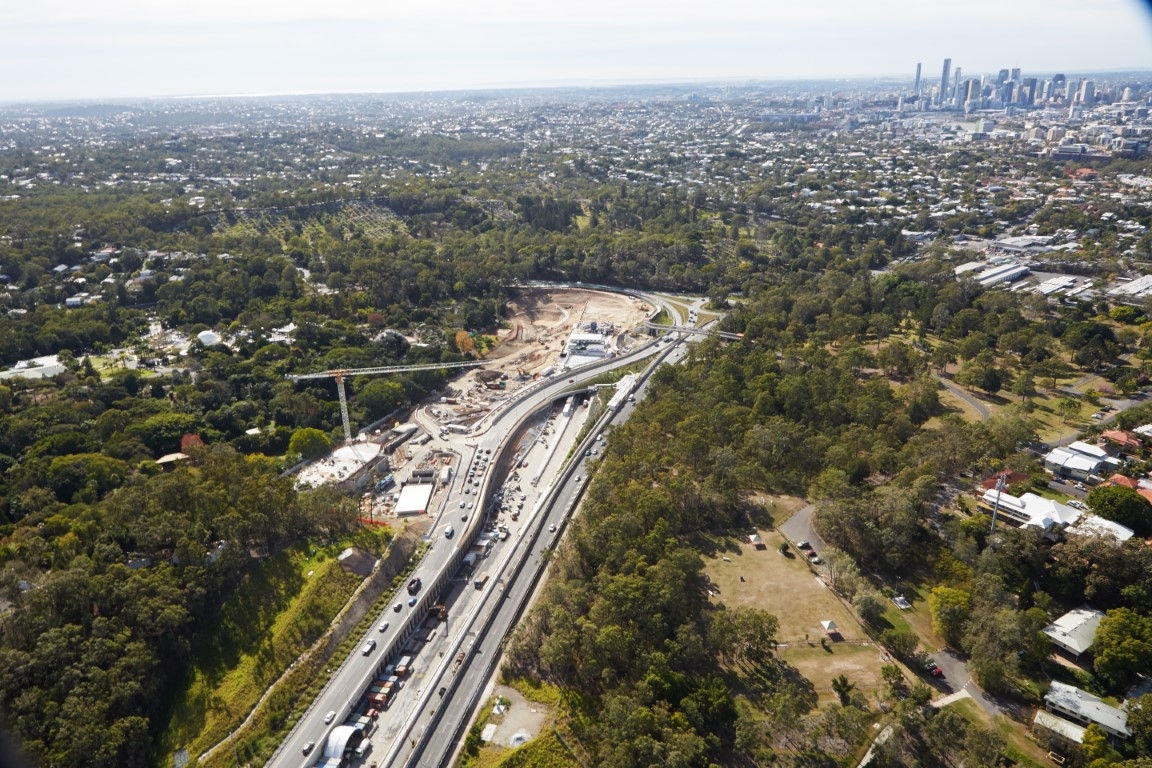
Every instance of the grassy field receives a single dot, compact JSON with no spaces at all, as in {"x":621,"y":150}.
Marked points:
{"x":787,"y":588}
{"x":1021,"y":747}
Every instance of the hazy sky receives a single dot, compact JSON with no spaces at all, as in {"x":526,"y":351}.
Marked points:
{"x":59,"y":49}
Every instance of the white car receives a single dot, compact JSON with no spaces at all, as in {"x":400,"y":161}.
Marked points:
{"x":449,"y":531}
{"x":330,"y":716}
{"x":383,"y":626}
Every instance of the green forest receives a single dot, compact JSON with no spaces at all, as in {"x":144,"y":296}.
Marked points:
{"x":119,"y":577}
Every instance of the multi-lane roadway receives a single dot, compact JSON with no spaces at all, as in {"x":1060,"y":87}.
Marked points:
{"x":435,"y":571}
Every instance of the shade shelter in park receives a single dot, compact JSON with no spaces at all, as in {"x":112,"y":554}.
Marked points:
{"x":830,"y":629}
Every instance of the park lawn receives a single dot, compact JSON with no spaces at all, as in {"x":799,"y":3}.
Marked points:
{"x":779,"y":507}
{"x":859,"y":662}
{"x":1021,"y":747}
{"x":284,"y":606}
{"x":784,"y":586}
{"x":953,"y":404}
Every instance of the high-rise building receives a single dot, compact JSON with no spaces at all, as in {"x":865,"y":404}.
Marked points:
{"x":1087,"y":92}
{"x":954,"y":88}
{"x":1002,"y":77}
{"x":1015,"y":74}
{"x":1059,"y":86}
{"x":944,"y":80}
{"x":916,"y":82}
{"x":1027,"y":91}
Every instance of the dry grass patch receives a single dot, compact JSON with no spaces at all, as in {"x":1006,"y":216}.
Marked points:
{"x":783,"y":586}
{"x":859,"y":663}
{"x":779,"y":507}
{"x":1021,"y":747}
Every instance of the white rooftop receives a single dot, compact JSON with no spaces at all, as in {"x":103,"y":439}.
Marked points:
{"x":414,"y":499}
{"x":1069,"y":698}
{"x":1088,"y":449}
{"x":1059,"y":725}
{"x":1032,"y":509}
{"x":1072,"y":460}
{"x":1075,"y":630}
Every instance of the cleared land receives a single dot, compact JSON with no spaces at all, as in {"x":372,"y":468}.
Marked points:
{"x":787,"y":588}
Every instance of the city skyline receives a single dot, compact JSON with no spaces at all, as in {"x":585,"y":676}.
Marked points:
{"x":65,"y":49}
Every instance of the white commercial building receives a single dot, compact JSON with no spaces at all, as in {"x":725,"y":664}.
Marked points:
{"x":414,"y":499}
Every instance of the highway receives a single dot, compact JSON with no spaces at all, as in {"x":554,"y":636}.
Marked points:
{"x":436,"y":571}
{"x":440,"y":723}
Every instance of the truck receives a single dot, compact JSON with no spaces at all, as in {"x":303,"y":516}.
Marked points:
{"x":445,"y":475}
{"x":460,"y":429}
{"x":469,"y":561}
{"x":480,"y":581}
{"x":404,"y":666}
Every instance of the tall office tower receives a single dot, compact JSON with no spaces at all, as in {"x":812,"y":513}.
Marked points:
{"x":1028,"y":91}
{"x":1016,"y":74}
{"x":1059,"y":86}
{"x":972,"y":91}
{"x":1087,"y":92}
{"x":916,"y":83}
{"x":944,"y":80}
{"x":1002,"y":77}
{"x":954,"y":89}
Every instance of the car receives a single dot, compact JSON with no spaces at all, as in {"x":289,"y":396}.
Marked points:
{"x":442,"y":690}
{"x":330,"y":716}
{"x":933,"y":669}
{"x":552,"y":528}
{"x":812,"y":554}
{"x":369,"y":647}
{"x":1077,"y":503}
{"x":308,"y":747}
{"x":462,"y":504}
{"x":414,"y":585}
{"x":411,"y":601}
{"x":1078,"y":485}
{"x":803,"y":545}
{"x":449,"y":531}
{"x":398,"y":607}
{"x":383,"y":626}
{"x":814,"y":559}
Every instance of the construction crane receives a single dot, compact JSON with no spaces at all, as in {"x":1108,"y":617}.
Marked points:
{"x":340,"y":373}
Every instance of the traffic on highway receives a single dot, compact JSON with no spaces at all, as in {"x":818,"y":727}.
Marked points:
{"x":408,"y":689}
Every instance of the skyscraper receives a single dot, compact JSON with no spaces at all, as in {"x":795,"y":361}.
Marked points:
{"x":944,"y":80}
{"x":916,"y":83}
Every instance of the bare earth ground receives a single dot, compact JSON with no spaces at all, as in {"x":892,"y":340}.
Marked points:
{"x":521,"y":722}
{"x":539,"y":322}
{"x":788,"y":589}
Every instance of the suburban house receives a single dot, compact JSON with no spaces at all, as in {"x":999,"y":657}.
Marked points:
{"x":1075,"y":631}
{"x":1117,"y":441}
{"x":1082,"y":707}
{"x":1079,"y":461}
{"x":1028,"y":510}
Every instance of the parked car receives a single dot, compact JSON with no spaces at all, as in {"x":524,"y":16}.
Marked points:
{"x":933,"y":669}
{"x":803,"y":545}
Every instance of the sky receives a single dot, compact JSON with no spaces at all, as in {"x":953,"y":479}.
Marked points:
{"x":101,"y":49}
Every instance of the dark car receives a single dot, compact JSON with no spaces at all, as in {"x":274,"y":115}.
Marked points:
{"x":414,"y":586}
{"x":933,"y":669}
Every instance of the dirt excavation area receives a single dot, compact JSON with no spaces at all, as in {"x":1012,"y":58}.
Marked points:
{"x":540,"y":322}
